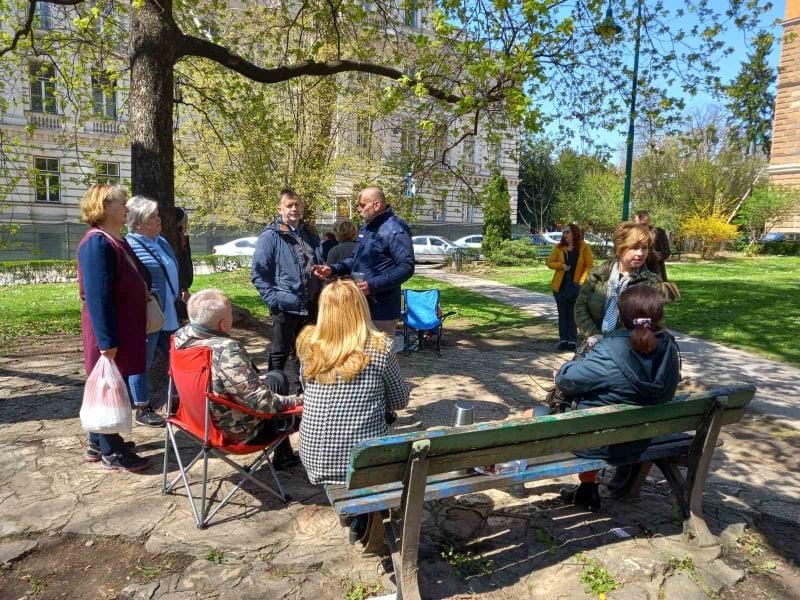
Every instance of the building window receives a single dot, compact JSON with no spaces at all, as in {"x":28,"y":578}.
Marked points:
{"x":104,"y":97}
{"x":468,"y":155}
{"x":108,"y":172}
{"x":495,"y":152}
{"x":48,"y":179}
{"x":438,"y":210}
{"x":43,"y":89}
{"x":44,"y":14}
{"x":467,"y":212}
{"x":343,"y":207}
{"x":363,"y":132}
{"x":411,"y":14}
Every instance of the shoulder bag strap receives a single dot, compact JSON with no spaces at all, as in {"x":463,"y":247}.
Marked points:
{"x":160,"y":264}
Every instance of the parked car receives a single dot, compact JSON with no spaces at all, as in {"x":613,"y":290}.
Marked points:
{"x":772,"y":236}
{"x":470,"y":241}
{"x":535,"y":238}
{"x":240,"y":247}
{"x":432,"y":248}
{"x":600,"y":247}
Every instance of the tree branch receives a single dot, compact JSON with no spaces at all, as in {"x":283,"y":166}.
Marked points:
{"x":30,"y":12}
{"x":193,"y":46}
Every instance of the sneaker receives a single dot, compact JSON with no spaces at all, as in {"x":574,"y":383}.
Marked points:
{"x":93,"y":453}
{"x":124,"y":461}
{"x":147,"y":416}
{"x":562,"y":346}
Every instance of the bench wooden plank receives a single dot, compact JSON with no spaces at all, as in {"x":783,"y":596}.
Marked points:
{"x":483,"y":454}
{"x":395,"y":449}
{"x":388,"y":497}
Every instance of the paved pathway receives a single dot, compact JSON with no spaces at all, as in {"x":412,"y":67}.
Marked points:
{"x":778,"y":383}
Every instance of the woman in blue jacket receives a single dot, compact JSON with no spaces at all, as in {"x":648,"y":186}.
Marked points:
{"x":639,"y":364}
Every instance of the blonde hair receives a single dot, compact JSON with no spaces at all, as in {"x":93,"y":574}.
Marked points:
{"x":345,"y":231}
{"x":337,"y":344}
{"x":628,"y":235}
{"x":94,"y":201}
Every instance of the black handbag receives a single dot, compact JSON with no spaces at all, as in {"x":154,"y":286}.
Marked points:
{"x":181,"y":309}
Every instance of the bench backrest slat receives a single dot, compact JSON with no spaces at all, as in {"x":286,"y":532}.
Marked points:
{"x":383,"y":460}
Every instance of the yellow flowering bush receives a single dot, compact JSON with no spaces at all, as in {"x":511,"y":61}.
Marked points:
{"x":711,"y":232}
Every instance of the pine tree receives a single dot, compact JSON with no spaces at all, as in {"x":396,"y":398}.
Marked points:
{"x":751,"y":100}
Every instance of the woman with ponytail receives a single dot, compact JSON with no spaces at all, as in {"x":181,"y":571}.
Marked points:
{"x":639,"y":364}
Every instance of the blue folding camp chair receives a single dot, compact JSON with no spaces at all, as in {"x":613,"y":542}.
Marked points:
{"x":422,"y":321}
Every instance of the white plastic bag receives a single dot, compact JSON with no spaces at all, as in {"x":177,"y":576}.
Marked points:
{"x":106,"y":407}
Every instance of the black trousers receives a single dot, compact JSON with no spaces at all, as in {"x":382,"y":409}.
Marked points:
{"x":285,"y":327}
{"x":565,"y":302}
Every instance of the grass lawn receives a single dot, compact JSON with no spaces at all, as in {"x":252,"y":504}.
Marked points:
{"x":52,"y":308}
{"x":748,"y":303}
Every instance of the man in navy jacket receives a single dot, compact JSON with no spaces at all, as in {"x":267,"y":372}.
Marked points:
{"x":285,"y":254}
{"x":383,"y":253}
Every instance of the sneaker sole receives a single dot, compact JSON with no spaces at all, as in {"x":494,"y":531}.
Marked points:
{"x":155,"y":426}
{"x":126,"y":469}
{"x":90,"y":459}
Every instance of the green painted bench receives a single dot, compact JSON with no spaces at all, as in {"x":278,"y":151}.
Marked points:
{"x":389,"y":478}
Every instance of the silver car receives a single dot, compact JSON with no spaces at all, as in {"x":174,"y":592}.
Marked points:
{"x":432,"y":248}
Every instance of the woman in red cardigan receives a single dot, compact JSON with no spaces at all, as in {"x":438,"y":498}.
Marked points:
{"x":113,"y":308}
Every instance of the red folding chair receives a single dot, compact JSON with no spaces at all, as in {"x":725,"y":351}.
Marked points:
{"x":190,"y":376}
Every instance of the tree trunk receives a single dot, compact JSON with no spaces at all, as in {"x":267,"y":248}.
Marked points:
{"x":154,"y":39}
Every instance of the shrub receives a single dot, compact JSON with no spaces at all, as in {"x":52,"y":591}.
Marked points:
{"x":711,"y":233}
{"x":514,"y":253}
{"x":781,"y":248}
{"x":496,"y":213}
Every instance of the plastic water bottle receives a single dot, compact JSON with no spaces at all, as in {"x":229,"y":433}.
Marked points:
{"x":514,"y":466}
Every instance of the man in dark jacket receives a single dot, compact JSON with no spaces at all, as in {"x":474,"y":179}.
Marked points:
{"x":384,"y":255}
{"x":286,"y":252}
{"x":659,"y":251}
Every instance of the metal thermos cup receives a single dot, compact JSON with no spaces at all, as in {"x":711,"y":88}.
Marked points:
{"x":464,"y":414}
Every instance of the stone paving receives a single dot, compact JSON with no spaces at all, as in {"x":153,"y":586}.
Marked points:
{"x":484,"y":545}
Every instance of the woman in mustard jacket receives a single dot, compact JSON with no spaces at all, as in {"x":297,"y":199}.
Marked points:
{"x":571,"y":260}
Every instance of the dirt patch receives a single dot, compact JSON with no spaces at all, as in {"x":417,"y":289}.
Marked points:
{"x":85,"y":568}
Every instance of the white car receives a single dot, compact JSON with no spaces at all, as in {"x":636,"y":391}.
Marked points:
{"x":432,"y":248}
{"x":241,"y":247}
{"x":470,"y":241}
{"x":598,"y":244}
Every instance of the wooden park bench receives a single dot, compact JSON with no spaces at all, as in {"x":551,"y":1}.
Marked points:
{"x":389,"y":478}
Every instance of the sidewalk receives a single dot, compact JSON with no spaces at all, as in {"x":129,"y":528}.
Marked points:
{"x":778,"y":383}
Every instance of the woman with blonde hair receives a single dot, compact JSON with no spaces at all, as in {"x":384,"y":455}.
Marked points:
{"x":351,"y":380}
{"x":596,"y":309}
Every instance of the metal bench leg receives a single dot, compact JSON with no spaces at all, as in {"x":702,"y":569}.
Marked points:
{"x":374,"y":538}
{"x":405,"y":558}
{"x":699,"y":462}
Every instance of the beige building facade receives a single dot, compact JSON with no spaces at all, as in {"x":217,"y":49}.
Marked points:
{"x":784,"y":164}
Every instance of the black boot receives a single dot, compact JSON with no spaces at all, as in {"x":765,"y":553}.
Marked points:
{"x":358,"y":527}
{"x":284,"y":456}
{"x":587,"y":495}
{"x":622,"y":478}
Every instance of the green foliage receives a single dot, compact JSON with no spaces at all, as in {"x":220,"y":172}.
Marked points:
{"x":589,"y":192}
{"x":684,"y":563}
{"x":596,"y":580}
{"x":465,"y":564}
{"x":711,"y":233}
{"x":752,"y":99}
{"x":496,"y":214}
{"x":765,"y":205}
{"x":215,"y":556}
{"x":360,"y":590}
{"x":514,"y":253}
{"x":538,"y":183}
{"x":781,"y":249}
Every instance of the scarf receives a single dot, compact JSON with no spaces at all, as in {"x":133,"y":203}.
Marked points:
{"x":615,"y":288}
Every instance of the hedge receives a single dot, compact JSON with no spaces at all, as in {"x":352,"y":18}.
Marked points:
{"x":781,"y":249}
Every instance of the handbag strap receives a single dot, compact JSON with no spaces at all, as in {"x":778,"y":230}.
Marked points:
{"x":160,"y":264}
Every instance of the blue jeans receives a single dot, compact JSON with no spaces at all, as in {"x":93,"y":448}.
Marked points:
{"x":110,"y":443}
{"x":139,"y":384}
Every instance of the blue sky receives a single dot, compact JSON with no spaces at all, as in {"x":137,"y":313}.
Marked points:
{"x":729,"y":67}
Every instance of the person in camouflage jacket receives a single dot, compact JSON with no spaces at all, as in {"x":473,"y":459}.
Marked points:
{"x":631,"y":244}
{"x":233,"y":373}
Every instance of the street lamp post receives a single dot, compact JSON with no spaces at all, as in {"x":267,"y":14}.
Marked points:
{"x":610,"y":28}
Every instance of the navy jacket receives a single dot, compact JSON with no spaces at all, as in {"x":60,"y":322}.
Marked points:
{"x":385,"y":254}
{"x":277,"y":272}
{"x":613,"y":373}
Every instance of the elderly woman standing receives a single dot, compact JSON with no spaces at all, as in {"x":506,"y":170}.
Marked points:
{"x":157,"y":255}
{"x":346,"y":232}
{"x":113,"y":309}
{"x":596,"y":309}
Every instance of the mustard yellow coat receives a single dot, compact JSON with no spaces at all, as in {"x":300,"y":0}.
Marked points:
{"x":557,"y":259}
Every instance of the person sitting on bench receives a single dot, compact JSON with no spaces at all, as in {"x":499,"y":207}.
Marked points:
{"x":351,"y":381}
{"x":640,"y":365}
{"x":234,"y":375}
